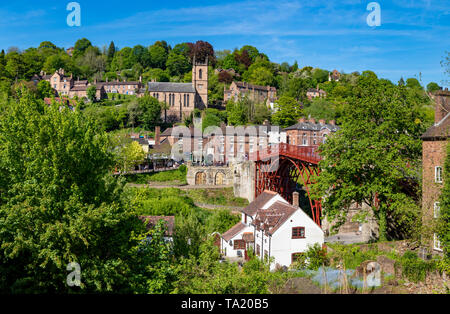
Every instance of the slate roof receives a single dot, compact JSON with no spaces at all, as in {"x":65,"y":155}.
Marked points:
{"x":171,"y":87}
{"x":119,"y":83}
{"x":308,"y":126}
{"x":256,"y":87}
{"x":153,"y":220}
{"x":228,"y":235}
{"x":259,"y":202}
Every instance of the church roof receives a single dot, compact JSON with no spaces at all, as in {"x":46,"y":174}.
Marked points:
{"x":171,"y":87}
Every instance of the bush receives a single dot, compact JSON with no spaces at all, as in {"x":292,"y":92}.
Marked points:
{"x":414,"y":268}
{"x":316,"y":257}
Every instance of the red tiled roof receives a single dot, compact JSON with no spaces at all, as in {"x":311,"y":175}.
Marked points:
{"x":153,"y":220}
{"x":259,"y":202}
{"x":233,"y":231}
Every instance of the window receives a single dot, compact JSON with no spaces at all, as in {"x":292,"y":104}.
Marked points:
{"x":437,"y":208}
{"x":296,"y":257}
{"x":298,"y":232}
{"x":258,"y":250}
{"x":239,"y":245}
{"x":437,"y":243}
{"x":200,"y":74}
{"x":438,"y":174}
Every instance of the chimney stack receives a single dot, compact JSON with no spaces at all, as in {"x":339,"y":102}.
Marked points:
{"x":312,"y":120}
{"x":322,"y":121}
{"x":302,"y":120}
{"x":442,"y":100}
{"x":332,"y":122}
{"x":295,"y":199}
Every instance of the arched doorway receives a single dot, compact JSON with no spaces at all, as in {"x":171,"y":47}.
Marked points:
{"x":220,"y":178}
{"x":200,"y":178}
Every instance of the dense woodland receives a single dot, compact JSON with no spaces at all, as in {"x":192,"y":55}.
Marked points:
{"x":60,"y":203}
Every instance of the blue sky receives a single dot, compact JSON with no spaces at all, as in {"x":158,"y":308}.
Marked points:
{"x":412,"y":38}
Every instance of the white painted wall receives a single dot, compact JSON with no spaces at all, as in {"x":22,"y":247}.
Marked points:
{"x":227,"y":249}
{"x":281,"y":243}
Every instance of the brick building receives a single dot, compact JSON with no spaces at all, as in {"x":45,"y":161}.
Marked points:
{"x":309,"y":132}
{"x":122,"y":87}
{"x":67,"y":86}
{"x":315,"y":92}
{"x":433,"y":158}
{"x":259,"y":94}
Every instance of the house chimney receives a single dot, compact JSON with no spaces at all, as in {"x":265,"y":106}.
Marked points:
{"x":157,"y":136}
{"x":295,"y":199}
{"x":302,"y":120}
{"x":332,"y":122}
{"x":322,"y":121}
{"x":442,"y":99}
{"x":312,"y":120}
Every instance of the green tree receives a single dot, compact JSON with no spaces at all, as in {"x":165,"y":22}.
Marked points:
{"x":151,"y":112}
{"x":177,"y":64}
{"x":432,"y":87}
{"x":376,"y":152}
{"x":158,"y":56}
{"x":131,"y":155}
{"x":413,"y":83}
{"x":443,"y":225}
{"x":287,"y":112}
{"x":92,"y":93}
{"x":59,"y":203}
{"x":15,"y":65}
{"x":80,"y":47}
{"x":44,"y":89}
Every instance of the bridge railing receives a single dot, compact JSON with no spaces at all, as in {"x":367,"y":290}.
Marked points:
{"x":306,"y":153}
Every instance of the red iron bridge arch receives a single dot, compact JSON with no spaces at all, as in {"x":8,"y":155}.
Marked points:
{"x":280,"y":167}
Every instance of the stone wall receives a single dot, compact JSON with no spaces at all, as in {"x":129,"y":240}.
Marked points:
{"x":199,"y":175}
{"x":367,"y":230}
{"x":244,"y":180}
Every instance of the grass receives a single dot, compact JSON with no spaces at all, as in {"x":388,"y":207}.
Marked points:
{"x":169,"y":177}
{"x":222,"y":197}
{"x":175,"y":202}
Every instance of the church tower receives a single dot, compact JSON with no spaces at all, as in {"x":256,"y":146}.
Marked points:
{"x":200,"y":82}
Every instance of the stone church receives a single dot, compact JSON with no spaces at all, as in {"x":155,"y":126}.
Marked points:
{"x":182,"y":98}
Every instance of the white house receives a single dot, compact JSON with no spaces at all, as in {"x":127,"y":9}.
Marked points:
{"x":271,"y":227}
